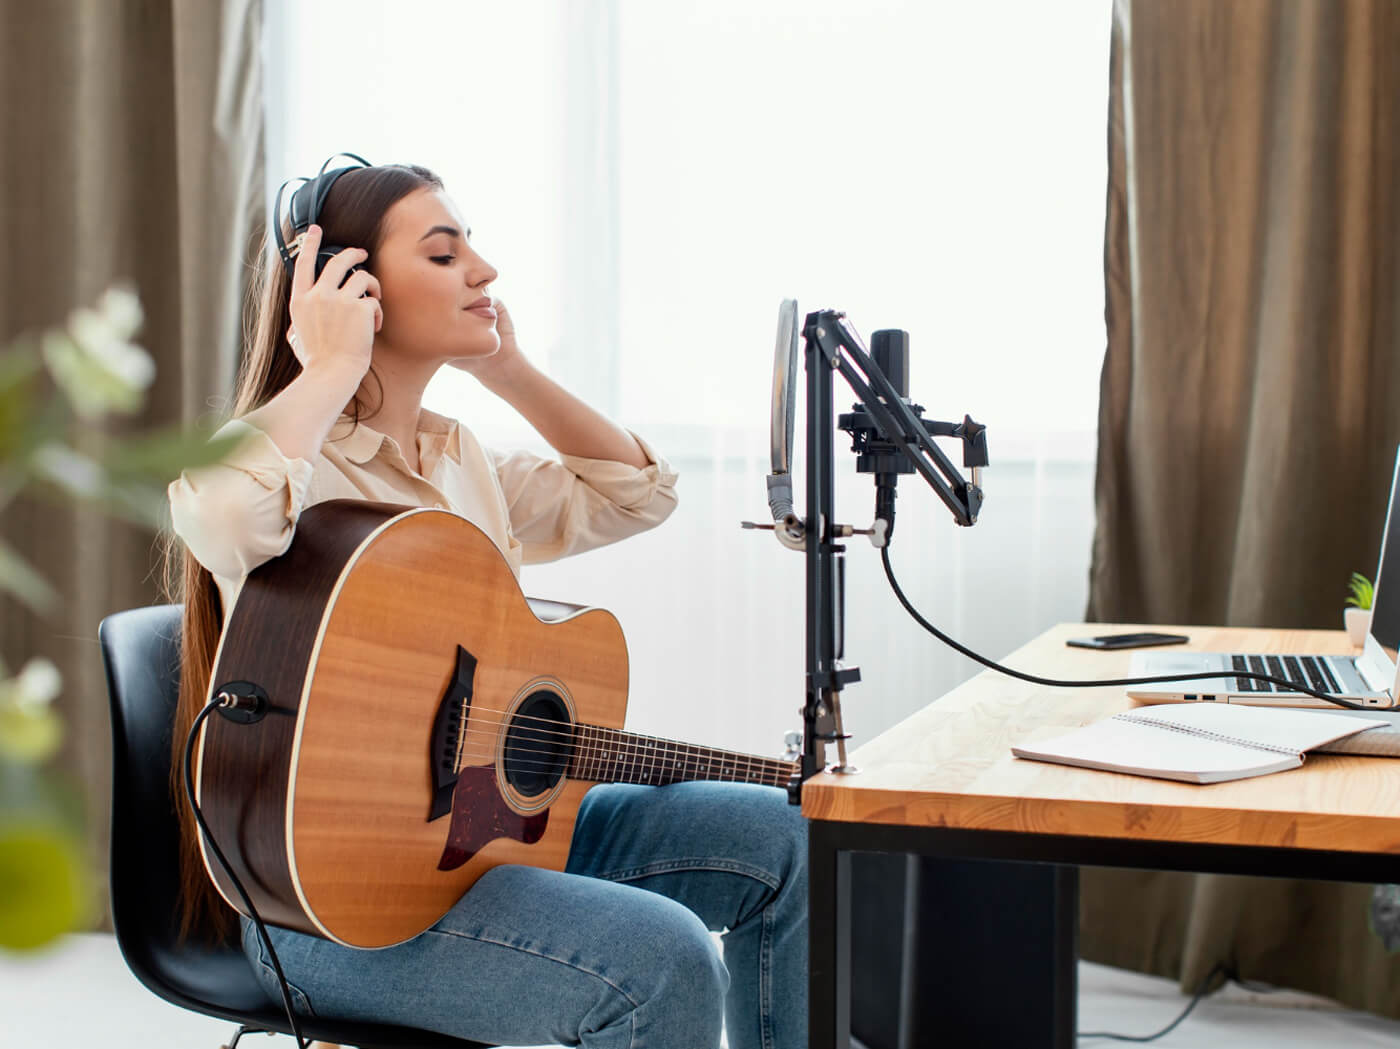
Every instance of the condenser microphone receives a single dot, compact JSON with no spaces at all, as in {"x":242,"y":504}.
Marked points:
{"x":890,"y":348}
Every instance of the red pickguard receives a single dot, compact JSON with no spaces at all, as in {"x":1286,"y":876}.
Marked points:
{"x":480,"y":815}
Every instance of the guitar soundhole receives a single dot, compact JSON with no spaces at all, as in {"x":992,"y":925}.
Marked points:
{"x":538,"y":745}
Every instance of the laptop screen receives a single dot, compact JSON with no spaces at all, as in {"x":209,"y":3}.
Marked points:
{"x":1385,"y":609}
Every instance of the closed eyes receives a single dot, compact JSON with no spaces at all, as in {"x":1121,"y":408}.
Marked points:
{"x":442,"y":260}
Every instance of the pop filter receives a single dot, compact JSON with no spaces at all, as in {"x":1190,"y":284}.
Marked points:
{"x":784,"y":409}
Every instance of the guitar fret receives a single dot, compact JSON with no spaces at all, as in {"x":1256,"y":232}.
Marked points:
{"x":608,"y":756}
{"x":579,"y":767}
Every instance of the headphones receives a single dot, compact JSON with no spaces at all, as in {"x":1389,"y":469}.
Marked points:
{"x":303,"y":209}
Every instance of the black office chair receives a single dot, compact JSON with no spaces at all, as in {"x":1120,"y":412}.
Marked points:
{"x":141,"y":651}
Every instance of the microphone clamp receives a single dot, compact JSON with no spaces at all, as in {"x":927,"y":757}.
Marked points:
{"x":790,"y":531}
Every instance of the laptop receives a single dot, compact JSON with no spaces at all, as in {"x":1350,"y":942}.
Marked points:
{"x":1368,"y":678}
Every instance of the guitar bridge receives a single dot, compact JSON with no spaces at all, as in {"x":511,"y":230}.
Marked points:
{"x":447,"y":723}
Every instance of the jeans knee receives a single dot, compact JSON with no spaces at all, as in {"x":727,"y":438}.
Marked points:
{"x":694,"y":971}
{"x":791,"y":830}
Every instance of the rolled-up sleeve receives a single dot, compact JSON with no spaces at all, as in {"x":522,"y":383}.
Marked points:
{"x":241,"y":512}
{"x":575,"y":504}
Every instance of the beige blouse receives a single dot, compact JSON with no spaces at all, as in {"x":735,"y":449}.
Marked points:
{"x":237,"y":514}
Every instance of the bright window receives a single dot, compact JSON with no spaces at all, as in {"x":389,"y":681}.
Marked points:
{"x":652,"y":179}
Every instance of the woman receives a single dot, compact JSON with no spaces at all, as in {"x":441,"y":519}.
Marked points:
{"x":615,"y":951}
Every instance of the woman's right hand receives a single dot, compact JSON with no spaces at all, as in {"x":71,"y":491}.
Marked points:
{"x":333,"y":326}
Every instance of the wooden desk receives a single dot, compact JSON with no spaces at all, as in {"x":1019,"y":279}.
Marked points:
{"x":944,"y":783}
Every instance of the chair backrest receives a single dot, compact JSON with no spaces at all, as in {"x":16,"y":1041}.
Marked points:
{"x":141,"y":651}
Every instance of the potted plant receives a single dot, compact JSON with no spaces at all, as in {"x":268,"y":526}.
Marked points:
{"x":1358,"y":617}
{"x":57,"y":389}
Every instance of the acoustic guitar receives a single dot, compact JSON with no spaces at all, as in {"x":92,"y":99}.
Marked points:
{"x":425,"y":722}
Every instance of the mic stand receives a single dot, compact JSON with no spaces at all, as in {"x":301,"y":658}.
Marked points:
{"x":833,"y":345}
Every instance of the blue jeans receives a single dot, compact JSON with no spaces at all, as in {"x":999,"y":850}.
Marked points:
{"x":613,"y":953}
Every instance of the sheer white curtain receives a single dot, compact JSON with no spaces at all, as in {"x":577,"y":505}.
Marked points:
{"x":652,"y":179}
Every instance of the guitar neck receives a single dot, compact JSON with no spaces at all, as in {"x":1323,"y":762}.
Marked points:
{"x":605,"y":755}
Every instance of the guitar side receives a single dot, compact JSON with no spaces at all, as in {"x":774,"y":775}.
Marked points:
{"x":242,"y":771}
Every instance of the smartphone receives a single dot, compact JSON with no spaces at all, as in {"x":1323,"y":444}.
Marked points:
{"x":1127,"y":640}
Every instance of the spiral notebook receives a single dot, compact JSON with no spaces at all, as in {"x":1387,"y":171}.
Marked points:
{"x":1199,"y":743}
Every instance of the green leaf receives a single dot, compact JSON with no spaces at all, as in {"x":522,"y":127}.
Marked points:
{"x":130,"y":481}
{"x":17,"y":578}
{"x":140,"y":502}
{"x":19,"y":369}
{"x":29,"y":734}
{"x":1362,"y":591}
{"x":163,"y":454}
{"x":45,"y":886}
{"x":75,"y":473}
{"x":42,"y":425}
{"x":18,"y":364}
{"x":44,"y":889}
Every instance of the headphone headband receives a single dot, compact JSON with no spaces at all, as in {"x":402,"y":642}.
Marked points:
{"x":305,"y":206}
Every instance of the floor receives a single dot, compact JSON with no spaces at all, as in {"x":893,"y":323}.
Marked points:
{"x":79,"y":995}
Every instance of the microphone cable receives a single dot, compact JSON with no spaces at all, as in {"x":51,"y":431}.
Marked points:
{"x":1220,"y":967}
{"x":256,"y":706}
{"x":1292,"y":686}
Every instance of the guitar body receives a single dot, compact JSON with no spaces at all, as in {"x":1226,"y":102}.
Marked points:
{"x":418,"y":707}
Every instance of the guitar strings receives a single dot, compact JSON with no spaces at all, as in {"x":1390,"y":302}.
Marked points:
{"x":643,"y":768}
{"x":571,"y":735}
{"x":693,"y":757}
{"x":650,"y":776}
{"x":644,"y":754}
{"x":640,"y":762}
{"x":598,"y":746}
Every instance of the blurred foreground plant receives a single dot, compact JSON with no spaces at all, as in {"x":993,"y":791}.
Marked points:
{"x":55,"y":391}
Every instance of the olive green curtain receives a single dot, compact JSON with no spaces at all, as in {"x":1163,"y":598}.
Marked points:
{"x":1248,"y":420}
{"x":131,"y":149}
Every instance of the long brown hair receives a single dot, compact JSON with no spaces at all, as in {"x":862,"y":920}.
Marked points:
{"x":352,"y":215}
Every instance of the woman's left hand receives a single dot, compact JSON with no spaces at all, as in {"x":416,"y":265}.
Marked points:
{"x":497,"y":370}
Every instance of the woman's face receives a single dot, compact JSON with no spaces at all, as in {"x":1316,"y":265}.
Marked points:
{"x":433,"y":286}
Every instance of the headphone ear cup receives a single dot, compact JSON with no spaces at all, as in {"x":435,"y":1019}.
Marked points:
{"x":324,"y":255}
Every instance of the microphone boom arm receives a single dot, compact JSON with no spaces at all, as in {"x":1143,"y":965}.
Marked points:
{"x":832,"y":334}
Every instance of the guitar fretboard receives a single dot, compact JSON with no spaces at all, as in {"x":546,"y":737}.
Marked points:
{"x":605,"y":755}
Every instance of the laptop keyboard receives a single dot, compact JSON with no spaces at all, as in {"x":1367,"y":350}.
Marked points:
{"x":1305,"y":670}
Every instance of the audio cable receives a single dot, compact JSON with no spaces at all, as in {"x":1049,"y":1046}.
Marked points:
{"x":1292,"y":686}
{"x":257,"y":707}
{"x":1220,"y":967}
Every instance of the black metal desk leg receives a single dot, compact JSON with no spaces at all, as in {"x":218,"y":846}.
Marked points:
{"x":829,"y":939}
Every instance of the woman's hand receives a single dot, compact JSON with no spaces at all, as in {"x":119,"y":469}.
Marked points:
{"x":498,"y":370}
{"x":333,"y":327}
